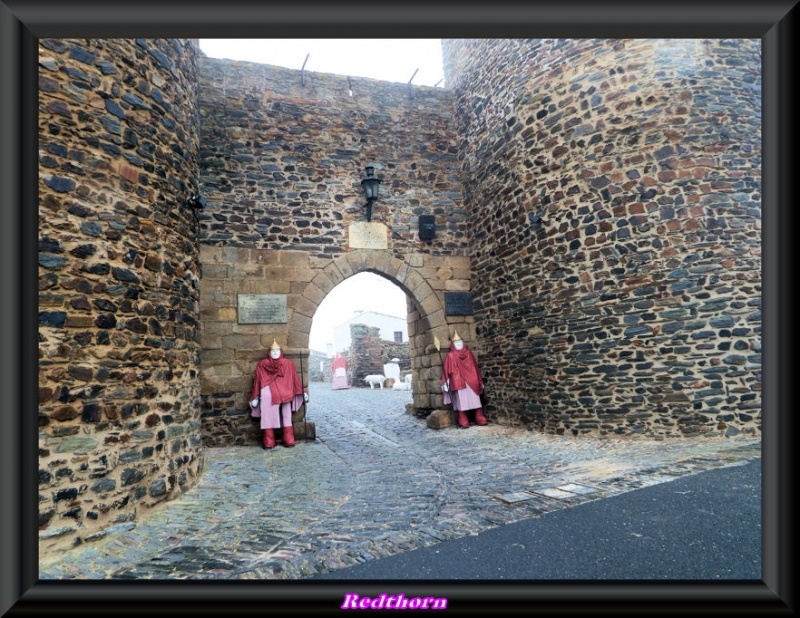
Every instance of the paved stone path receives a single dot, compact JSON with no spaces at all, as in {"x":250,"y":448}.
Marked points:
{"x":376,"y":482}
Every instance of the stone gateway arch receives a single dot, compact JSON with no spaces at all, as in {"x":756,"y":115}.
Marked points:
{"x":226,"y":376}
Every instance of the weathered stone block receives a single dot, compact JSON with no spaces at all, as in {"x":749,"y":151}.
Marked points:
{"x":440,"y":419}
{"x":216,"y":271}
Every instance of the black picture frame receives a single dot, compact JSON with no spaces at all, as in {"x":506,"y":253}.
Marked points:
{"x":23,"y":22}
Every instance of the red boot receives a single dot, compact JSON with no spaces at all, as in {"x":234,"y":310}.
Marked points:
{"x":288,"y":436}
{"x":269,"y":438}
{"x":463,"y":421}
{"x":480,"y":419}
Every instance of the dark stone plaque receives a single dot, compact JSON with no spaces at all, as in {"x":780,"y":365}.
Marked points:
{"x":427,"y":227}
{"x":458,"y":303}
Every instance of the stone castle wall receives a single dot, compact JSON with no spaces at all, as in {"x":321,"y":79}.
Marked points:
{"x":634,"y":308}
{"x":119,"y":390}
{"x":281,"y":160}
{"x":283,"y":153}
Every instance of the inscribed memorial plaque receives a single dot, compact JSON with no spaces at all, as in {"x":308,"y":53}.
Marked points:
{"x":458,"y":303}
{"x":262,"y":309}
{"x":368,"y":235}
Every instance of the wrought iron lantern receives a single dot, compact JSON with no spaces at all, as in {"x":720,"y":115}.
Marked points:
{"x":370,"y":183}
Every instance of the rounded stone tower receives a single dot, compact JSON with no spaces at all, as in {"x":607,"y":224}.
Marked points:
{"x":119,"y":396}
{"x":614,"y":194}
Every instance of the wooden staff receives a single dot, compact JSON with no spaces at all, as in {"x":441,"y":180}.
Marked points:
{"x":305,"y":411}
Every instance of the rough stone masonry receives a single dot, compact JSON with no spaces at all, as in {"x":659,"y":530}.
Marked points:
{"x":634,"y":307}
{"x":119,"y":348}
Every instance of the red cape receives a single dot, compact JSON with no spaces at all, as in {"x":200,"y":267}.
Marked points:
{"x":338,"y":361}
{"x":461,"y":368}
{"x":281,"y":376}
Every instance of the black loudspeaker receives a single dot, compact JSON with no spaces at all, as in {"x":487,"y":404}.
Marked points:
{"x":427,"y":227}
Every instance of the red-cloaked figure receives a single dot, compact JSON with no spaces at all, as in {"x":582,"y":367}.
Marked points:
{"x":339,"y":369}
{"x":277,"y":392}
{"x":462,"y":383}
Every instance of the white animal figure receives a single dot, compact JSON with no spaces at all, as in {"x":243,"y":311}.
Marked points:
{"x":404,"y":385}
{"x":392,"y":370}
{"x":374,"y":379}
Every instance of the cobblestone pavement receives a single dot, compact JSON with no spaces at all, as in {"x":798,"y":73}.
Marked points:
{"x":375,"y":482}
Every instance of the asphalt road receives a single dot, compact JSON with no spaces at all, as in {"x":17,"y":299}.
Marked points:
{"x":706,"y":526}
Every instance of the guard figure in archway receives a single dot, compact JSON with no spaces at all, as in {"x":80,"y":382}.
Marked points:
{"x":277,"y":392}
{"x":339,"y":368}
{"x":462,"y":383}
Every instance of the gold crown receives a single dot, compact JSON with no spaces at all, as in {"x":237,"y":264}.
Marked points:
{"x":274,"y":345}
{"x":456,"y":337}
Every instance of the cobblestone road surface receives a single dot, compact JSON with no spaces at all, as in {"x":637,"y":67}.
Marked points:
{"x":375,"y":482}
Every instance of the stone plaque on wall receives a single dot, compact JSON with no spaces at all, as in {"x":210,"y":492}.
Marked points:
{"x":458,"y":303}
{"x":368,"y":235}
{"x":262,"y":309}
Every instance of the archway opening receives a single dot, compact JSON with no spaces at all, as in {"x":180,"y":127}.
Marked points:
{"x":362,"y":325}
